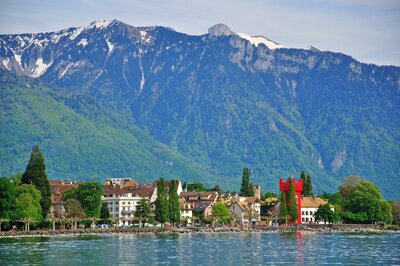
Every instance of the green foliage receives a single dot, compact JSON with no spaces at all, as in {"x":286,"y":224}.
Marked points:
{"x":395,"y":212}
{"x":69,"y":194}
{"x":173,"y":200}
{"x":194,"y":186}
{"x":246,"y":189}
{"x":324,"y":213}
{"x":270,"y":194}
{"x":283,"y":211}
{"x":73,"y":209}
{"x":143,"y":210}
{"x":347,"y":184}
{"x":28,"y":204}
{"x":307,"y":185}
{"x":292,"y":208}
{"x":35,"y":174}
{"x":16,"y":178}
{"x":105,"y":212}
{"x":64,"y":124}
{"x":365,"y":202}
{"x":8,"y":198}
{"x":89,"y":195}
{"x":162,"y":210}
{"x":221,"y":213}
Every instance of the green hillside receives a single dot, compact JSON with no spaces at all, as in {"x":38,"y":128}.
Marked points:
{"x":78,"y":148}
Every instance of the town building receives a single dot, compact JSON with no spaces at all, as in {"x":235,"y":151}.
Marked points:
{"x":58,"y":187}
{"x":309,"y":205}
{"x":186,"y":211}
{"x":200,"y":201}
{"x":245,"y":208}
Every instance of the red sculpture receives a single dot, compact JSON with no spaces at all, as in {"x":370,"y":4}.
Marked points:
{"x":298,"y":187}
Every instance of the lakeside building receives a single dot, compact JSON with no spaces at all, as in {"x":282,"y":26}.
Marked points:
{"x":247,"y":210}
{"x":200,"y":201}
{"x":57,"y":187}
{"x":186,"y":211}
{"x":123,"y":194}
{"x":309,"y":205}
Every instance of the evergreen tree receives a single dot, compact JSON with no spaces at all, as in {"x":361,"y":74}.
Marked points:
{"x":35,"y":174}
{"x":105,"y":212}
{"x":307,"y":185}
{"x":161,"y":212}
{"x":173,"y":199}
{"x":292,"y":208}
{"x":283,"y":212}
{"x":246,"y":189}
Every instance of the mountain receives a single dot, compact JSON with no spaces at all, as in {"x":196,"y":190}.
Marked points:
{"x":221,"y":100}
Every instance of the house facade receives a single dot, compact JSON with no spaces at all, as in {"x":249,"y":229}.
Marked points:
{"x":247,"y":210}
{"x":309,"y":205}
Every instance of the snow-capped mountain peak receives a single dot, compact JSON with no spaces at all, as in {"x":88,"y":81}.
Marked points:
{"x":101,"y":23}
{"x":256,"y":40}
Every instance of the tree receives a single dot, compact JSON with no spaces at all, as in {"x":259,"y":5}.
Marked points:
{"x":173,"y":200}
{"x":218,"y":189}
{"x":143,"y":211}
{"x":246,"y":189}
{"x":292,"y":208}
{"x":283,"y":212}
{"x":194,"y":186}
{"x":161,"y":212}
{"x":105,"y":212}
{"x":89,"y":195}
{"x":8,"y":199}
{"x":220,"y":213}
{"x":347,"y":184}
{"x":35,"y":174}
{"x":250,"y":214}
{"x":28,"y":209}
{"x":395,"y":212}
{"x":307,"y":185}
{"x":69,"y":194}
{"x":325,"y":213}
{"x":74,"y":212}
{"x":364,"y":203}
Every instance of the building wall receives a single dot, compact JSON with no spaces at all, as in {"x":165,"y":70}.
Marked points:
{"x":122,"y":208}
{"x":307,"y":215}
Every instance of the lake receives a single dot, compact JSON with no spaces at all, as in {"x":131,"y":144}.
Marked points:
{"x":268,"y":248}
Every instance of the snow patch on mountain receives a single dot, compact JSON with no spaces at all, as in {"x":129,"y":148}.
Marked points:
{"x":100,"y":23}
{"x":76,"y":33}
{"x":256,"y":40}
{"x":83,"y":42}
{"x":110,"y":47}
{"x":5,"y":63}
{"x":40,"y":68}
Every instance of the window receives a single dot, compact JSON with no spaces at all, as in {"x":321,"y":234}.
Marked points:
{"x":129,"y":203}
{"x":306,"y":219}
{"x":306,"y":212}
{"x":110,"y":203}
{"x":123,"y":203}
{"x":302,"y":219}
{"x":302,"y":213}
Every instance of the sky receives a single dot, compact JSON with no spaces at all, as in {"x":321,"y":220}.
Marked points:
{"x":368,"y":30}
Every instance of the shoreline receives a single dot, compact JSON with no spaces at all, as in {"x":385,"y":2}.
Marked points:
{"x":188,"y":230}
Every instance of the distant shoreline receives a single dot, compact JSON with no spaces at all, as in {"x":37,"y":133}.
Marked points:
{"x":187,"y":230}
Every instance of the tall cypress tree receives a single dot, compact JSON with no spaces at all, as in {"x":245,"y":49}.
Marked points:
{"x":309,"y":186}
{"x":292,"y":208}
{"x":161,"y":212}
{"x":246,"y":189}
{"x":173,"y":199}
{"x":35,"y":174}
{"x":283,"y":212}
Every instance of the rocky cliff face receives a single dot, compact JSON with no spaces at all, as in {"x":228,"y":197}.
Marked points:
{"x":228,"y":102}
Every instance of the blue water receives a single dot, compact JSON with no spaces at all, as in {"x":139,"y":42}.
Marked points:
{"x":205,"y":249}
